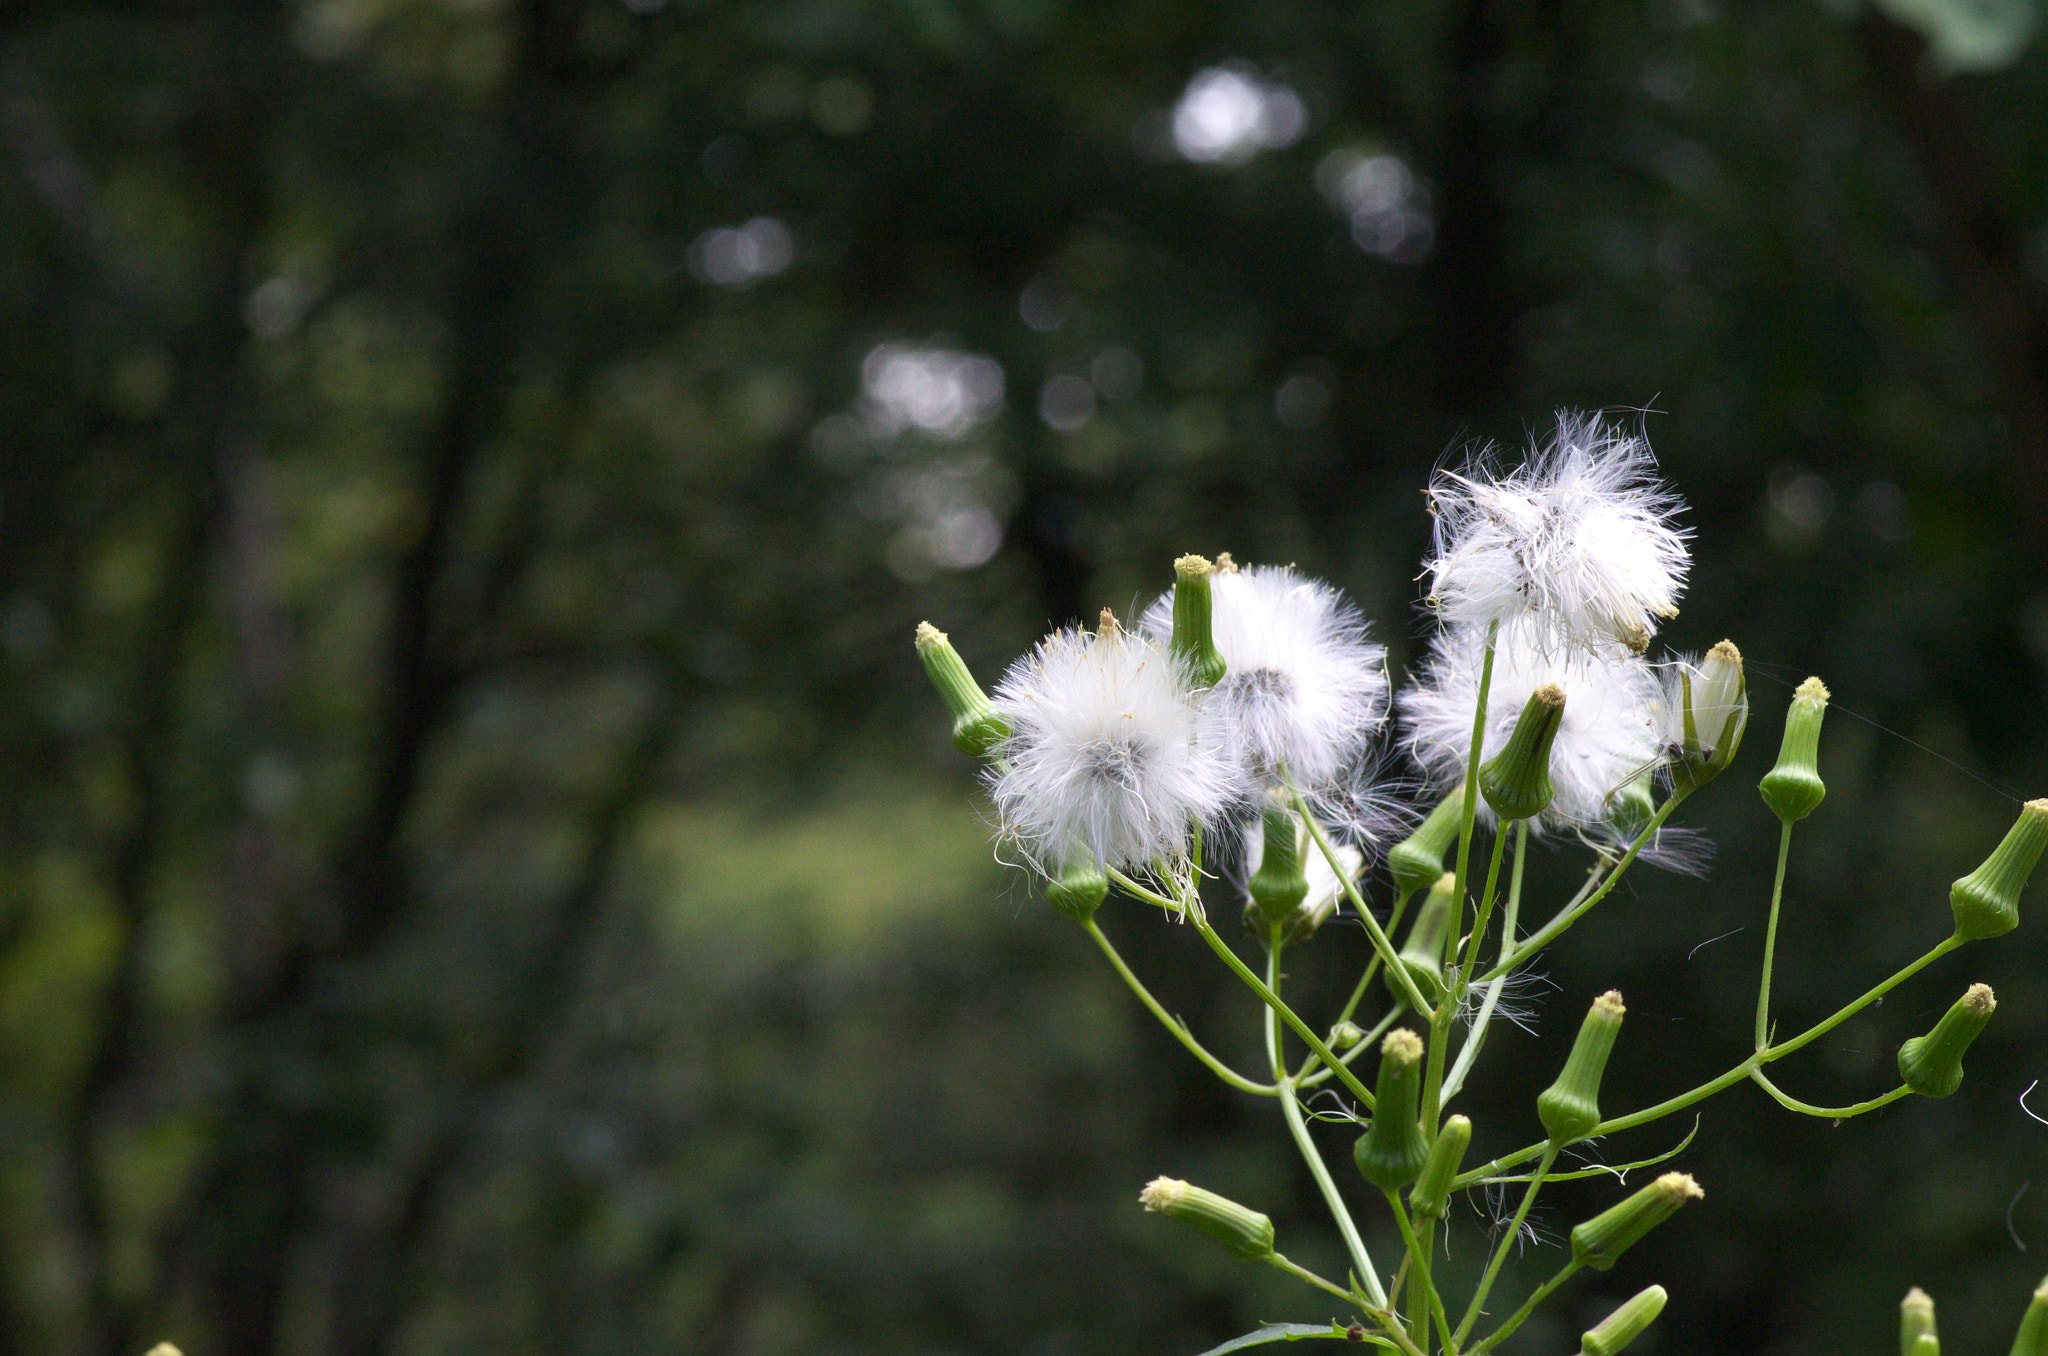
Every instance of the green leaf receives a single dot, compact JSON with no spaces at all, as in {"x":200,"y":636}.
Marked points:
{"x":1291,"y":1332}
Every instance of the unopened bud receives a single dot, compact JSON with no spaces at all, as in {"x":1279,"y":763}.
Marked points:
{"x":1345,"y":1035}
{"x":1516,"y":781}
{"x":1278,"y":885}
{"x":1712,"y":712}
{"x":1417,"y":860}
{"x":1431,"y":1195}
{"x":1625,"y":1324}
{"x":1391,"y":1152}
{"x":977,"y":726}
{"x":1570,"y":1107}
{"x":1078,"y":891}
{"x":1422,"y":954}
{"x":1793,"y":788}
{"x":2032,"y":1338}
{"x":1916,"y":1320}
{"x":1244,"y":1231}
{"x":1194,"y":640}
{"x":1932,"y":1065}
{"x":1987,"y":901}
{"x":165,"y":1349}
{"x":1601,"y":1240}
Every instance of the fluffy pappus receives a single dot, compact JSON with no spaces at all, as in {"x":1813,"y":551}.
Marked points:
{"x":1110,"y":756}
{"x":1609,"y":735}
{"x":1577,"y":539}
{"x":1305,"y":690}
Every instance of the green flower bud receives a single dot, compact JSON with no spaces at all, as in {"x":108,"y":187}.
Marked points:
{"x":1987,"y":901}
{"x":1793,"y":788}
{"x":1916,"y":1321}
{"x":1344,"y":1035}
{"x":1625,"y":1324}
{"x":1422,"y":955}
{"x":1279,"y":884}
{"x":1570,"y":1107}
{"x":2032,"y":1338}
{"x":1079,"y":890}
{"x":1193,"y":640}
{"x":1712,"y":711}
{"x":1245,"y":1232}
{"x":1932,"y":1065}
{"x":1516,"y":781}
{"x":1418,"y":859}
{"x":1431,"y":1195}
{"x":977,"y":727}
{"x":1601,"y":1240}
{"x":1391,"y":1152}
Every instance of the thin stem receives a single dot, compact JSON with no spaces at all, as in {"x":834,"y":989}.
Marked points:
{"x":1507,"y":1240}
{"x":1172,"y":906}
{"x":1258,"y":986}
{"x":1369,"y":1040}
{"x":1941,"y":949}
{"x":1290,"y":1109}
{"x":1571,"y":913}
{"x":1173,"y":1024}
{"x":1454,"y":1082}
{"x":1380,"y":944}
{"x":1372,"y":966}
{"x":1456,"y":979}
{"x":1305,"y":1274}
{"x":1468,"y":815}
{"x":1521,"y":1315}
{"x":1763,"y":993}
{"x":1425,"y":1287}
{"x":1829,"y":1113}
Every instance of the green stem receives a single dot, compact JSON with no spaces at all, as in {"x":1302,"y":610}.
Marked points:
{"x":1941,"y":949}
{"x":1507,"y":1240}
{"x":1831,"y":1113}
{"x":1521,"y":1315}
{"x":1763,"y":993}
{"x":1368,"y":1041}
{"x":1173,"y":1024}
{"x":1571,"y":913}
{"x":1172,"y":906}
{"x":1297,"y":1127}
{"x":1305,"y":1274}
{"x":1380,"y":944}
{"x":1425,"y":1287}
{"x":1272,"y":1000}
{"x":1372,"y":967}
{"x":1456,"y":979}
{"x":1466,"y":819}
{"x":1454,"y":1082}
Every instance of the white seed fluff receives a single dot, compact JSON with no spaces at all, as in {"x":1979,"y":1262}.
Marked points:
{"x":1578,"y":539}
{"x":1609,"y":735}
{"x":1304,"y":690}
{"x":1110,"y":756}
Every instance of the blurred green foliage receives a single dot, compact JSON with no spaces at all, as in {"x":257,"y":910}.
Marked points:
{"x":479,"y":869}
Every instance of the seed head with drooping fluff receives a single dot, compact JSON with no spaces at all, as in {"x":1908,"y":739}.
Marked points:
{"x":1577,"y":540}
{"x":1304,"y":690}
{"x":1110,"y":757}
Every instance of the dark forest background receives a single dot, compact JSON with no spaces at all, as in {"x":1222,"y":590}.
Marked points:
{"x":480,"y":869}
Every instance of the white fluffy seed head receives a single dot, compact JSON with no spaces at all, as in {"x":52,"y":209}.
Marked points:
{"x":1110,"y":757}
{"x":1577,"y":540}
{"x":1608,"y":737}
{"x":1304,"y":690}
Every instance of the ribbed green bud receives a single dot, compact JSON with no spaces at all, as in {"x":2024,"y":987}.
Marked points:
{"x":1422,"y":955}
{"x":1193,"y":639}
{"x":1793,"y":788}
{"x":1418,"y":859}
{"x":1079,"y":890}
{"x":1244,"y":1231}
{"x":1713,"y":711}
{"x":1916,"y":1321}
{"x":2032,"y":1338}
{"x":1987,"y":901}
{"x":1570,"y":1107}
{"x":1625,"y":1324}
{"x":1601,"y":1240}
{"x":1344,"y":1035}
{"x":1431,"y":1195}
{"x":977,"y":727}
{"x":1279,"y":885}
{"x":1932,"y":1065}
{"x":1516,"y":781}
{"x":1391,"y":1152}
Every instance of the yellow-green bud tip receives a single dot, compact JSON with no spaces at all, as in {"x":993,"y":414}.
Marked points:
{"x":1163,"y":1193}
{"x":928,"y":636}
{"x":165,"y":1349}
{"x":1224,"y":564}
{"x":1550,"y":694}
{"x":1609,"y":1004}
{"x":1917,"y":1300}
{"x":1980,"y":1000}
{"x":1344,"y":1035}
{"x":1401,"y":1047}
{"x":1813,"y":690}
{"x":1105,"y":625}
{"x":1189,"y":567}
{"x":1725,"y":651}
{"x":1680,"y":1187}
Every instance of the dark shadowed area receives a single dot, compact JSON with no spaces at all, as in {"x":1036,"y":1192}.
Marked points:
{"x":481,"y":869}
